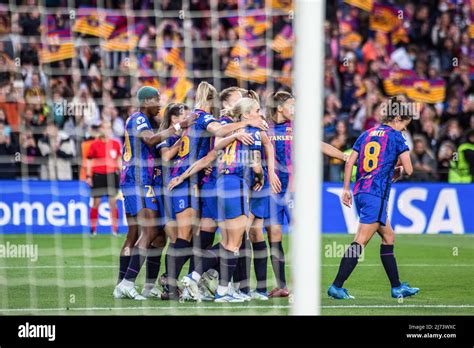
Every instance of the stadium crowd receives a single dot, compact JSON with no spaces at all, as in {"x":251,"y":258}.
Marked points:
{"x":51,"y":105}
{"x":425,"y":41}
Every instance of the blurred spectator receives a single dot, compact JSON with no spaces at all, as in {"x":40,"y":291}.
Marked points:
{"x":99,"y":84}
{"x":424,"y":163}
{"x":445,"y":158}
{"x":437,"y":47}
{"x":59,"y":149}
{"x":85,"y":107}
{"x":30,"y":23}
{"x":374,"y":120}
{"x":452,"y":132}
{"x":452,"y":110}
{"x":429,"y":130}
{"x":339,"y":141}
{"x":7,"y":170}
{"x":4,"y":123}
{"x":29,"y":155}
{"x":464,"y":166}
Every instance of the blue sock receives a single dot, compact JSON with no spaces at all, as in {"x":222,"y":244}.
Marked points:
{"x":183,"y":250}
{"x":228,"y":262}
{"x":390,"y":264}
{"x":124,"y":262}
{"x":242,"y":271}
{"x":153,"y":263}
{"x":136,"y":262}
{"x":278,"y":263}
{"x":260,"y":261}
{"x":210,"y":258}
{"x":168,"y":257}
{"x":348,"y":263}
{"x":204,"y":241}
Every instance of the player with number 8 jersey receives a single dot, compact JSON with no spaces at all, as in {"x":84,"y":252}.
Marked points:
{"x":376,"y":153}
{"x":378,"y":150}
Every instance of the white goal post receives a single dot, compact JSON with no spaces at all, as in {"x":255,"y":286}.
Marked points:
{"x":306,"y":229}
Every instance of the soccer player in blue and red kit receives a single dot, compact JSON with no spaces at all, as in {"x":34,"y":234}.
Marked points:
{"x":195,"y":144}
{"x":376,"y":152}
{"x":136,"y":181}
{"x":232,"y":187}
{"x":280,"y":109}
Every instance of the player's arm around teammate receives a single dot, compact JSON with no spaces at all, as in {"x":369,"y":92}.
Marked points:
{"x":333,"y":152}
{"x":174,"y":114}
{"x":233,"y":224}
{"x":207,"y":160}
{"x":233,"y":211}
{"x":137,"y":186}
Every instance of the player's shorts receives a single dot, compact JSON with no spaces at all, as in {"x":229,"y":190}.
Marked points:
{"x":232,"y":197}
{"x":184,"y":196}
{"x":260,"y":203}
{"x":136,"y":198}
{"x":281,"y":207}
{"x":163,"y":200}
{"x":105,"y":185}
{"x":371,"y":209}
{"x":208,"y":201}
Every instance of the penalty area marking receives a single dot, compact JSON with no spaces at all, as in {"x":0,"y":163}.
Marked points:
{"x":85,"y":309}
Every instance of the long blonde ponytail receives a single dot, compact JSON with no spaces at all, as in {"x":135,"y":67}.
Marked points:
{"x":207,"y":98}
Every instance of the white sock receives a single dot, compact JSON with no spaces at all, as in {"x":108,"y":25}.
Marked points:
{"x":222,"y":290}
{"x":127,"y":283}
{"x":196,"y":276}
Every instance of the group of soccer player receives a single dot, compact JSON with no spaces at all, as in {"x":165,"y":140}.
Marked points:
{"x":225,"y":166}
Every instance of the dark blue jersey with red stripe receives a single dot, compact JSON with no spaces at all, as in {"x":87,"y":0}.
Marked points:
{"x":137,"y":157}
{"x":378,"y":149}
{"x":281,"y":136}
{"x":195,"y":143}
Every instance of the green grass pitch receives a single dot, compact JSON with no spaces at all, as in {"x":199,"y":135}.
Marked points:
{"x":76,"y":274}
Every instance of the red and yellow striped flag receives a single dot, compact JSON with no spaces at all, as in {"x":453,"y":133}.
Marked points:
{"x":244,"y":71}
{"x":365,"y":5}
{"x":400,"y":34}
{"x":174,"y":58}
{"x":392,"y":80}
{"x":53,"y":53}
{"x":94,"y":25}
{"x":425,"y":91}
{"x":285,"y":5}
{"x":126,"y":40}
{"x":384,"y":18}
{"x":283,"y":40}
{"x":240,"y":50}
{"x":350,"y":39}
